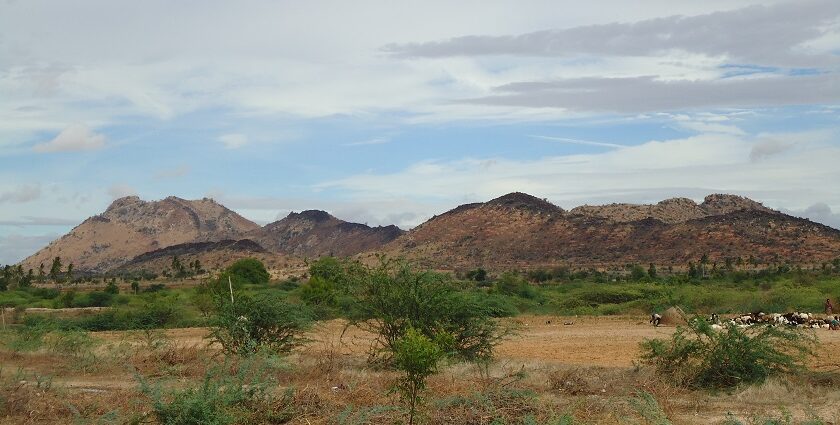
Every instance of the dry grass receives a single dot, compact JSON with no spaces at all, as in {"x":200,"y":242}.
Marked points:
{"x":327,"y":382}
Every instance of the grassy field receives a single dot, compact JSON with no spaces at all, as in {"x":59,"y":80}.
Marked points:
{"x":572,"y":355}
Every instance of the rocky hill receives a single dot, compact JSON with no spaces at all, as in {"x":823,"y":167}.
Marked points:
{"x":674,"y":210}
{"x":314,"y":233}
{"x":131,"y":226}
{"x":212,"y":256}
{"x":521,"y":231}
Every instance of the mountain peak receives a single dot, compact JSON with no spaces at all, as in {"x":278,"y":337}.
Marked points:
{"x":722,"y":203}
{"x":311,"y":215}
{"x":524,"y":201}
{"x":125,"y":201}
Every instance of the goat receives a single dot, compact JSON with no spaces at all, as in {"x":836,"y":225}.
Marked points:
{"x":655,"y":319}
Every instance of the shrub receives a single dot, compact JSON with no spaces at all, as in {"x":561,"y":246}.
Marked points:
{"x":512,"y":284}
{"x":394,"y":298}
{"x":417,"y":357}
{"x":250,"y":324}
{"x":699,"y":356}
{"x":249,"y":270}
{"x":478,"y":275}
{"x":222,"y":398}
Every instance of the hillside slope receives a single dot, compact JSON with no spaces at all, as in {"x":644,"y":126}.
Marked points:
{"x":521,"y":231}
{"x":314,"y":233}
{"x":131,"y":226}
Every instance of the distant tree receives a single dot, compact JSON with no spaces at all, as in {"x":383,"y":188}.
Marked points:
{"x":178,"y":267}
{"x":637,"y":272}
{"x":652,"y":271}
{"x":55,"y":269}
{"x":135,"y":286}
{"x":112,"y":288}
{"x":27,"y":280}
{"x":41,"y":276}
{"x":703,"y":261}
{"x":478,"y":275}
{"x":70,"y":272}
{"x":249,"y":270}
{"x":692,"y":270}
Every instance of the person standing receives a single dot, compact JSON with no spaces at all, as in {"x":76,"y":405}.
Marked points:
{"x":829,"y":308}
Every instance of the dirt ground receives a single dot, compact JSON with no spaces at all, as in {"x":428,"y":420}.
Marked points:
{"x":606,"y":341}
{"x":600,"y":350}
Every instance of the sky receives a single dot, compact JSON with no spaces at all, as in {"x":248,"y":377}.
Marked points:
{"x":390,"y":112}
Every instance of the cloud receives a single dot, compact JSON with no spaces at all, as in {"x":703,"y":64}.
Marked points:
{"x":649,"y":172}
{"x":374,"y":141}
{"x":648,"y":94}
{"x":14,"y":248}
{"x":577,"y":141}
{"x":77,"y":137}
{"x":754,"y":34}
{"x":21,"y":194}
{"x":40,"y":221}
{"x":233,"y":140}
{"x":120,"y":190}
{"x":819,"y":212}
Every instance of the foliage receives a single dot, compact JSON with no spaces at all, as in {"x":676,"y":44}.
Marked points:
{"x":221,"y":398}
{"x":417,"y":357}
{"x":252,"y":323}
{"x":698,"y":356}
{"x":249,"y":271}
{"x":394,"y":298}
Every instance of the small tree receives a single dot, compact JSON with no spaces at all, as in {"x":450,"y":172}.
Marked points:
{"x":112,"y":288}
{"x":394,"y":298}
{"x":652,"y":271}
{"x":55,"y":269}
{"x":135,"y":286}
{"x":699,"y":356}
{"x":250,"y":324}
{"x":417,"y":357}
{"x":637,"y":272}
{"x":250,"y":271}
{"x":70,"y":272}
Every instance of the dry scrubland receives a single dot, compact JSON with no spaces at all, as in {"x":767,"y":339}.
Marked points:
{"x":547,"y":373}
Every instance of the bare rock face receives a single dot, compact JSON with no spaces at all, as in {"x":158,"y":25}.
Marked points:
{"x":314,"y":233}
{"x":130,"y":227}
{"x":518,"y":231}
{"x":671,"y":211}
{"x":718,"y":203}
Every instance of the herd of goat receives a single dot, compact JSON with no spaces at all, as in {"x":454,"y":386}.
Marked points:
{"x":797,"y":319}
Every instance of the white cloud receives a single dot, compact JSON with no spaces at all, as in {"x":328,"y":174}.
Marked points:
{"x":77,"y":137}
{"x":21,"y":194}
{"x":233,"y":140}
{"x":14,"y":247}
{"x":652,"y":171}
{"x":819,"y":212}
{"x":374,"y":141}
{"x":121,"y":190}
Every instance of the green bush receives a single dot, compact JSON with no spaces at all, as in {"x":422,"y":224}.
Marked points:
{"x":394,"y":298}
{"x":223,"y":398}
{"x":249,"y":270}
{"x":698,"y":356}
{"x":250,"y":324}
{"x":417,"y":357}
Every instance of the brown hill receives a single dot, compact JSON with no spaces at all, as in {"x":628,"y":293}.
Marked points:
{"x":212,"y":256}
{"x":674,"y":210}
{"x":316,"y":233}
{"x":131,"y":226}
{"x":521,"y":231}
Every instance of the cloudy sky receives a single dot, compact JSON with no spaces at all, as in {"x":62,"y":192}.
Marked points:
{"x":389,"y":112}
